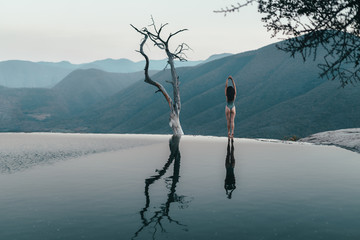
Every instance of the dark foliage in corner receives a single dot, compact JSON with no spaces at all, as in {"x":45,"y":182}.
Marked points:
{"x":316,"y":25}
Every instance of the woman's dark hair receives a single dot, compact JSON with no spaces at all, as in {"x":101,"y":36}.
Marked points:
{"x":230,"y":93}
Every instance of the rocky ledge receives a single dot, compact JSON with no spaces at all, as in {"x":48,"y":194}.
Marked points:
{"x":345,"y":138}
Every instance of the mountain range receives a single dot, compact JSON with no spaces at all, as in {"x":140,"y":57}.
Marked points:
{"x":27,"y":74}
{"x":278,"y":97}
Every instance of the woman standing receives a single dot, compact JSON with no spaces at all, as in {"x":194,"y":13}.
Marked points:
{"x":230,"y":112}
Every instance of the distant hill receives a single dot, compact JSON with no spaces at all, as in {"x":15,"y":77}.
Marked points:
{"x":26,"y":109}
{"x":38,"y":109}
{"x":217,"y":56}
{"x":27,"y":74}
{"x":19,"y":74}
{"x":125,"y":65}
{"x":84,"y":87}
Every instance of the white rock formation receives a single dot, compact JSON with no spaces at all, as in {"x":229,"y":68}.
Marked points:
{"x":345,"y":138}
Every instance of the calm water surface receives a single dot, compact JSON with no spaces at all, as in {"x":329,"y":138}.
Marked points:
{"x":193,"y":188}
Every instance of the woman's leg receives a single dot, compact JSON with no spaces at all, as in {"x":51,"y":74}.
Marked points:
{"x":232,"y":120}
{"x":227,"y":114}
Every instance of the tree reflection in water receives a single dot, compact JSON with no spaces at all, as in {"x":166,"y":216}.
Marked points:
{"x":229,"y":166}
{"x":154,"y":220}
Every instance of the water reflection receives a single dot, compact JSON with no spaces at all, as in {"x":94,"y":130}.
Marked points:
{"x":153,"y":220}
{"x":229,"y":166}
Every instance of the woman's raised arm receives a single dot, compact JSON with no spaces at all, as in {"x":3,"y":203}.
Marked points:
{"x":226,"y":85}
{"x":233,"y":83}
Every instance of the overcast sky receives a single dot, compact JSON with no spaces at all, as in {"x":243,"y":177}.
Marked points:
{"x":86,"y":30}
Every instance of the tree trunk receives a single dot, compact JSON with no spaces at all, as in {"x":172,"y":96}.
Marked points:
{"x":176,"y":108}
{"x":174,"y":123}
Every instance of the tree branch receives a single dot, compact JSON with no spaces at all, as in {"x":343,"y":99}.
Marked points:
{"x":234,"y":8}
{"x":146,"y":69}
{"x":173,"y":34}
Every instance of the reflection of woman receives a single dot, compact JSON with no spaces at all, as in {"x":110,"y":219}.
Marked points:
{"x":229,"y":165}
{"x":230,"y":112}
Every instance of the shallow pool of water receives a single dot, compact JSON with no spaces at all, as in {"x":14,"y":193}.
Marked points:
{"x":202,"y":188}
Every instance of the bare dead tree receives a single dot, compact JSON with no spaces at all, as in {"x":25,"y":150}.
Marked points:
{"x":154,"y":34}
{"x":332,"y":26}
